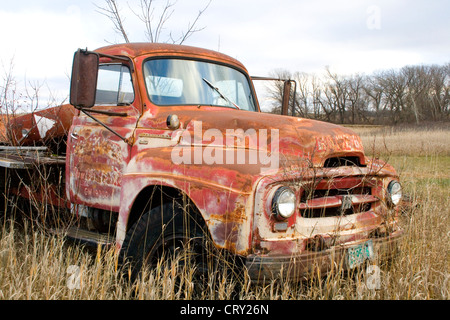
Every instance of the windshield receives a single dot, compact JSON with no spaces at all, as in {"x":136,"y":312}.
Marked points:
{"x":190,"y":82}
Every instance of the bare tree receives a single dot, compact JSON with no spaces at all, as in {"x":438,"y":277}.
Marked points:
{"x":8,"y":92}
{"x":303,"y":93}
{"x":299,"y":102}
{"x":356,"y":97}
{"x":439,"y":93}
{"x":394,"y":86}
{"x":374,"y":93}
{"x":154,"y":20}
{"x":406,"y":95}
{"x":418,"y":80}
{"x":338,"y":93}
{"x":317,"y":93}
{"x":112,"y":11}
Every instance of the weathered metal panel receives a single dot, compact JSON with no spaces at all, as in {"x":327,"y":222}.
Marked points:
{"x":97,"y":159}
{"x":42,"y":127}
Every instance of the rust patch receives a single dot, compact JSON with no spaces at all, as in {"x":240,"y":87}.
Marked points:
{"x":42,"y":127}
{"x":237,"y":215}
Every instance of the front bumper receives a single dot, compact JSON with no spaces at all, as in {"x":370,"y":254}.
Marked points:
{"x":297,"y":266}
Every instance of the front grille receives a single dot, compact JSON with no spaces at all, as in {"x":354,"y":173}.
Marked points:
{"x":318,"y":193}
{"x":337,"y":197}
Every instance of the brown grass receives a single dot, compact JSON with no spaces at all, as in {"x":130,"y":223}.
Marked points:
{"x":406,"y":141}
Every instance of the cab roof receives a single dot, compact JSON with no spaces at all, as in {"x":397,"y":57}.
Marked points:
{"x":133,"y":50}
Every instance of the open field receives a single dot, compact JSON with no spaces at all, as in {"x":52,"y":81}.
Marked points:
{"x":34,"y":265}
{"x":405,"y":141}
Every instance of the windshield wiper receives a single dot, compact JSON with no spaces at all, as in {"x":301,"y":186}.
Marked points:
{"x":220,"y":93}
{"x":108,"y":113}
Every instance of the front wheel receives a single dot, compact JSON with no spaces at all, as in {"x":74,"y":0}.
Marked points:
{"x":166,"y":232}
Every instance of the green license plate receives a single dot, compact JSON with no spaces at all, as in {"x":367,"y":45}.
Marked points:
{"x":356,"y":255}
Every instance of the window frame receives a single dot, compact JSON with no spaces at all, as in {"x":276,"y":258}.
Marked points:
{"x":131,"y":84}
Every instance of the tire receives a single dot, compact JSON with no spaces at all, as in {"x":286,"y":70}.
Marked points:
{"x":161,"y":233}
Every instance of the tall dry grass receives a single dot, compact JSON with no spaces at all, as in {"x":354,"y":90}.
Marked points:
{"x":421,"y":156}
{"x":34,"y":265}
{"x":405,"y":141}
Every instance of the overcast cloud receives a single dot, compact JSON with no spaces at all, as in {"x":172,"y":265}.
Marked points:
{"x":40,"y":36}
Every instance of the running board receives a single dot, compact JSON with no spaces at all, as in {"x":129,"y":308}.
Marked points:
{"x":84,"y":236}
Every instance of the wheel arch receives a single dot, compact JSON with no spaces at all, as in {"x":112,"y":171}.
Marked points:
{"x":155,"y":195}
{"x":225,"y":213}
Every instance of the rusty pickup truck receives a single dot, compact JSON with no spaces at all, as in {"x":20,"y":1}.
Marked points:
{"x":164,"y":145}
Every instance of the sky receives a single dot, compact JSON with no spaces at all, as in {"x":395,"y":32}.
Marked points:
{"x":39,"y":37}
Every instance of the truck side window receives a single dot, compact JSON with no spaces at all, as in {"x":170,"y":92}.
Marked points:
{"x":114,"y":85}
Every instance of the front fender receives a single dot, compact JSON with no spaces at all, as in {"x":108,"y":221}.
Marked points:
{"x":227,"y":211}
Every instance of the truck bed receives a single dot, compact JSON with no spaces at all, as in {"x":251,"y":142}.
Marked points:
{"x":28,"y":157}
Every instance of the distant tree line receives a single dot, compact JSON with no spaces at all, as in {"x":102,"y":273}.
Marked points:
{"x":412,"y":94}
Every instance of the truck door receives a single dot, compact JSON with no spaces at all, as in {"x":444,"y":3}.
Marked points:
{"x":97,"y":153}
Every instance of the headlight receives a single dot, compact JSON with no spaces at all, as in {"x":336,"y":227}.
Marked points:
{"x":283,"y":203}
{"x":394,"y":192}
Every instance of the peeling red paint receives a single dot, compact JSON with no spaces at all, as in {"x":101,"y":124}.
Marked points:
{"x":37,"y":128}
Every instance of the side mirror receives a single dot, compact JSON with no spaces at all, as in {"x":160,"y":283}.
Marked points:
{"x":286,"y":97}
{"x":83,"y":84}
{"x":287,"y":89}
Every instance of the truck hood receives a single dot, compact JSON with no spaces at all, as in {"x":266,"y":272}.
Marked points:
{"x":293,"y":140}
